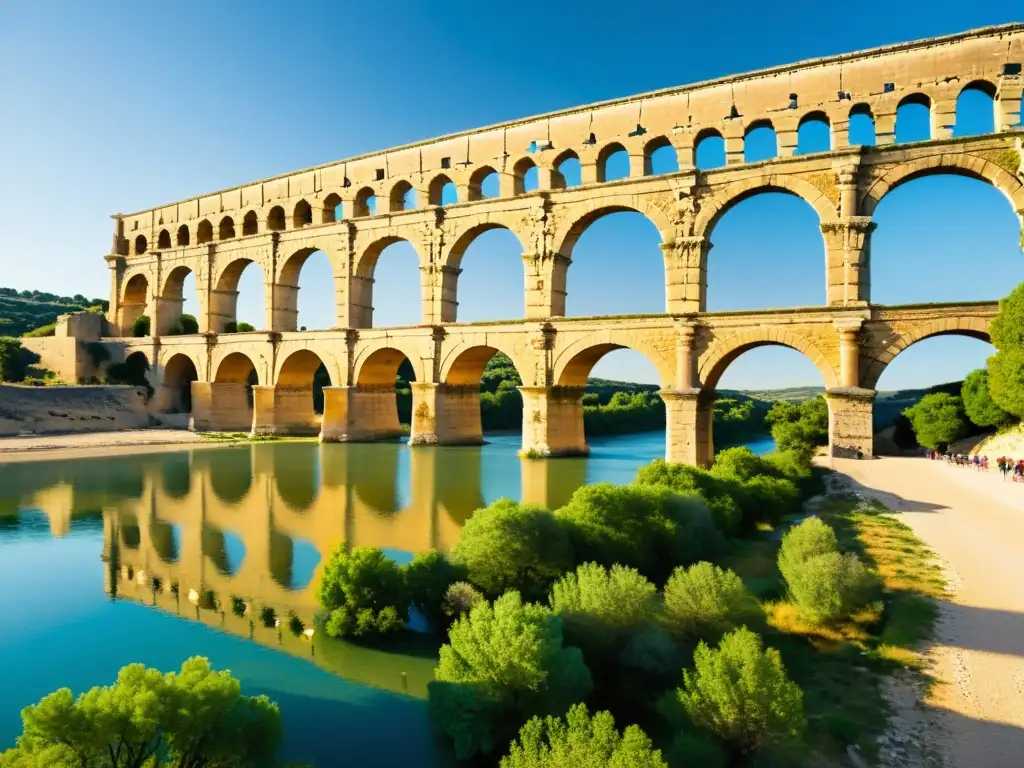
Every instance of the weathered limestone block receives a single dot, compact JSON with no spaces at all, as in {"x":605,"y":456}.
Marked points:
{"x":284,"y":411}
{"x":850,"y":428}
{"x":848,"y":256}
{"x":445,"y":414}
{"x":553,"y":421}
{"x":359,"y":414}
{"x":220,"y":407}
{"x":681,"y":413}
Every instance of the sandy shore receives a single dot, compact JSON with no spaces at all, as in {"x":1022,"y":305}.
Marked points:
{"x":50,"y":447}
{"x":975,"y":522}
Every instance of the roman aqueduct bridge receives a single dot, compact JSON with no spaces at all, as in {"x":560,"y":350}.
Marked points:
{"x":351,"y":210}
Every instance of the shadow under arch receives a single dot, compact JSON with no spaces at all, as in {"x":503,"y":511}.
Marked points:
{"x":166,"y":540}
{"x":176,"y":475}
{"x":178,"y":374}
{"x":374,"y":472}
{"x":296,"y":474}
{"x":293,"y":561}
{"x":229,"y":470}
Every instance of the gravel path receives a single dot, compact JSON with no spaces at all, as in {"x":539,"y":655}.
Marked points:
{"x":975,"y":522}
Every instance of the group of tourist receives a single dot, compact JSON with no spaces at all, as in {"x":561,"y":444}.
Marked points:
{"x":1012,"y":469}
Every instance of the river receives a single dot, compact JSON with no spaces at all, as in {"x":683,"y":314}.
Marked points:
{"x":90,"y":549}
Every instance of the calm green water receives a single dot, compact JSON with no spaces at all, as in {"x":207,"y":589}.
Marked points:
{"x":82,"y":540}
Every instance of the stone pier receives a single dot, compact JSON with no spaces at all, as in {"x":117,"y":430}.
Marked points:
{"x":553,"y":421}
{"x":359,"y":414}
{"x":221,"y":407}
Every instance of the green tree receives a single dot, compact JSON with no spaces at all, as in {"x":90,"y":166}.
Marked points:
{"x":141,"y":326}
{"x":1007,"y":328}
{"x":800,"y":427}
{"x":197,"y":717}
{"x":1006,"y":380}
{"x":503,"y":664}
{"x":14,"y":360}
{"x":581,"y":740}
{"x":427,"y":580}
{"x":981,"y":409}
{"x":364,"y":593}
{"x":703,"y":602}
{"x":743,"y":694}
{"x":829,"y":586}
{"x":938,"y":419}
{"x":513,"y":546}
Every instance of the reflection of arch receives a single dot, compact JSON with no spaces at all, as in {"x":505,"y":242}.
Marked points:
{"x":959,"y":164}
{"x":604,"y":156}
{"x":296,"y":476}
{"x":204,"y":233}
{"x":251,"y":223}
{"x":183,"y":236}
{"x":226,"y":229}
{"x":286,"y":554}
{"x":724,"y":352}
{"x":164,"y":538}
{"x":573,"y":365}
{"x":379,"y":367}
{"x":179,"y":373}
{"x":164,"y":239}
{"x":476,"y":182}
{"x":971,"y":327}
{"x":435,"y":192}
{"x":459,"y":482}
{"x":712,"y":210}
{"x":215,"y":543}
{"x":397,"y":198}
{"x":654,"y":145}
{"x":235,"y":368}
{"x":464,"y":365}
{"x":176,"y":475}
{"x":374,"y":475}
{"x":275,"y":219}
{"x":598,"y":208}
{"x":519,"y":171}
{"x":331,"y":205}
{"x":229,"y":471}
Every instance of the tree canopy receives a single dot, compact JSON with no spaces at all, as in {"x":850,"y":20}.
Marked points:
{"x":981,"y":409}
{"x":938,"y":419}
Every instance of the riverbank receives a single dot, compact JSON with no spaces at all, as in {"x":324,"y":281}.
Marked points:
{"x":92,"y":444}
{"x":975,"y":524}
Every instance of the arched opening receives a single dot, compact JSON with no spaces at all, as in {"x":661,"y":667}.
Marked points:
{"x":133,"y":304}
{"x":861,"y":128}
{"x":484,"y":184}
{"x":486,"y":380}
{"x":914,"y":119}
{"x":293,"y":561}
{"x":140,"y":245}
{"x":225,"y":549}
{"x":333,"y":210}
{"x":709,"y":150}
{"x":598,"y":282}
{"x":183,"y":236}
{"x":566,"y":171}
{"x":238,"y":304}
{"x":166,"y":540}
{"x":365,"y":202}
{"x":929,"y":230}
{"x":179,"y":307}
{"x":442,"y":191}
{"x":387,"y":371}
{"x":760,"y":142}
{"x":237,"y":369}
{"x":660,"y":157}
{"x":302,"y":215}
{"x":204,"y":232}
{"x":163,"y":240}
{"x":227,"y":228}
{"x":814,"y":134}
{"x":299,"y":391}
{"x":612,"y":163}
{"x":490,"y":284}
{"x":179,"y":373}
{"x":976,"y":109}
{"x":251,"y":223}
{"x":387,"y":289}
{"x":767,"y":251}
{"x":310,"y":273}
{"x":403,"y":197}
{"x":620,"y":404}
{"x":275,"y":219}
{"x":525,"y":176}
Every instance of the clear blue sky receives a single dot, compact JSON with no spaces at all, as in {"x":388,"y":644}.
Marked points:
{"x":113,"y":107}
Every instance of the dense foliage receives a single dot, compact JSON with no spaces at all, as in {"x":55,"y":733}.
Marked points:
{"x":364,"y":593}
{"x":197,"y":717}
{"x":979,"y":406}
{"x":22,"y":312}
{"x":1006,"y":366}
{"x":800,"y":427}
{"x":15,"y":360}
{"x":938,"y":420}
{"x":503,"y":664}
{"x":704,"y":602}
{"x":428,"y":579}
{"x":581,"y":741}
{"x":141,"y":326}
{"x":186,"y":324}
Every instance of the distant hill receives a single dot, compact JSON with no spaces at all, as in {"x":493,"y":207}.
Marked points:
{"x":794,"y":394}
{"x":24,"y":311}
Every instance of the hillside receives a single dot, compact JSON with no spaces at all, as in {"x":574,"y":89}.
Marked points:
{"x":24,"y":311}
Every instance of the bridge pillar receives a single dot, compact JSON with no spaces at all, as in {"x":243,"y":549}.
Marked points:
{"x":848,"y":256}
{"x":440,"y":289}
{"x":166,"y":313}
{"x":1008,"y":102}
{"x":359,"y":414}
{"x":284,"y":411}
{"x":553,"y":421}
{"x":283,"y":308}
{"x":943,"y":118}
{"x":849,"y":353}
{"x":885,"y":125}
{"x":545,"y":284}
{"x":220,"y":407}
{"x":685,"y":274}
{"x":445,"y":414}
{"x":850,"y":429}
{"x":682,"y":440}
{"x":223,"y":310}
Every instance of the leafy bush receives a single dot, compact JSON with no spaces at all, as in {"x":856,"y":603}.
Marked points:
{"x":771,"y":498}
{"x":141,"y":326}
{"x":581,"y":740}
{"x":357,"y":589}
{"x":981,"y":409}
{"x":1006,"y":380}
{"x":743,"y":463}
{"x":459,"y":599}
{"x":704,"y":602}
{"x":651,"y":529}
{"x":938,"y":419}
{"x":812,"y":537}
{"x":1007,"y":327}
{"x":719,"y":494}
{"x":512,"y":546}
{"x":800,"y":427}
{"x":503,"y":664}
{"x":245,"y":327}
{"x":50,"y":329}
{"x":829,"y":586}
{"x":743,"y":694}
{"x":193,"y":717}
{"x":428,"y":578}
{"x":14,"y":360}
{"x":186,"y":324}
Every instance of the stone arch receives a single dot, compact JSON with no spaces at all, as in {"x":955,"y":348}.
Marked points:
{"x":173,"y":298}
{"x":654,"y":145}
{"x":377,"y":365}
{"x":476,"y":181}
{"x":204,"y":232}
{"x":397,"y":197}
{"x":302,"y":215}
{"x":275,"y":219}
{"x":368,"y":258}
{"x":604,"y":155}
{"x":183,"y":235}
{"x":140,"y":245}
{"x":573,"y":365}
{"x":864,"y":112}
{"x":971,"y":327}
{"x":912,"y":100}
{"x":297,"y":369}
{"x":722,"y":353}
{"x":712,"y":209}
{"x":521,"y":167}
{"x":288,"y":280}
{"x":756,"y":125}
{"x":989,"y":92}
{"x":331,"y":203}
{"x":235,"y":368}
{"x":558,"y":180}
{"x":715,"y":136}
{"x":590,"y":211}
{"x":436,"y":187}
{"x":224,"y":300}
{"x":819,"y":117}
{"x":462,"y":243}
{"x":179,"y":372}
{"x":251,"y":223}
{"x":463,"y":364}
{"x":163,"y":241}
{"x":134,"y":301}
{"x":362,"y":202}
{"x":226,"y":229}
{"x":964,"y":164}
{"x":296,"y":398}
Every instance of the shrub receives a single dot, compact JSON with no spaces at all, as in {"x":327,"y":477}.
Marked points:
{"x":245,"y":327}
{"x":771,"y":498}
{"x":742,"y":693}
{"x":581,"y":740}
{"x":938,"y":419}
{"x":50,"y":329}
{"x":812,"y":537}
{"x":799,"y":427}
{"x":512,"y":546}
{"x":502,"y":665}
{"x":705,"y":601}
{"x":357,"y":587}
{"x":718,"y":493}
{"x":1006,"y":380}
{"x":1007,"y":327}
{"x":427,"y":579}
{"x":459,"y":599}
{"x":743,"y":463}
{"x":188,"y":324}
{"x":651,"y":529}
{"x":829,"y":586}
{"x":141,"y":326}
{"x":14,"y":360}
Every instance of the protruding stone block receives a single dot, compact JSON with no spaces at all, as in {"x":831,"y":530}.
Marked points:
{"x":850,"y":427}
{"x":221,"y":407}
{"x":359,"y":414}
{"x":553,"y":421}
{"x":284,"y":411}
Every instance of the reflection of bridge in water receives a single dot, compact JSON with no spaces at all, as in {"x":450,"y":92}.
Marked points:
{"x":258,"y":522}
